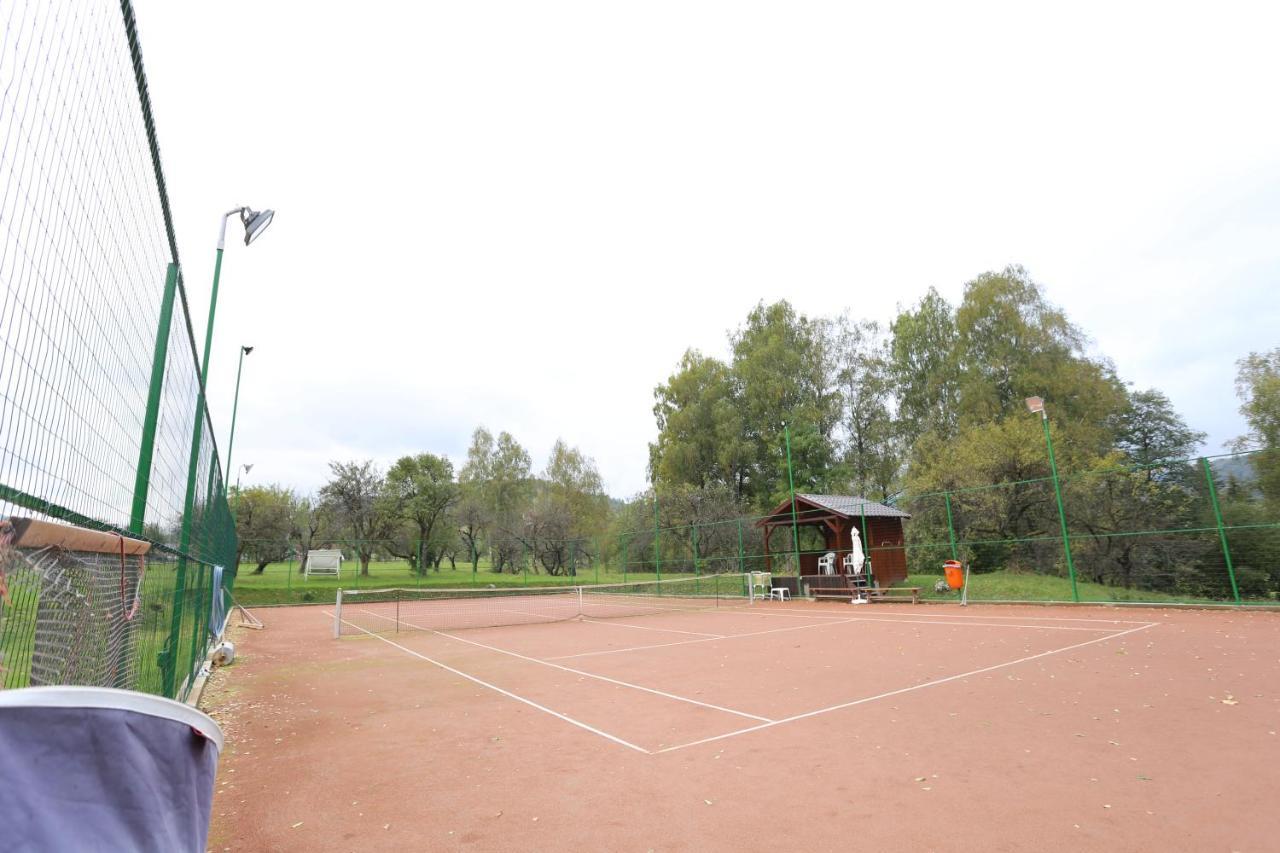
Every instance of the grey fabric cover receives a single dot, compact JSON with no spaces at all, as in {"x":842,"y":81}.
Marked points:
{"x":102,"y":779}
{"x":217,"y":605}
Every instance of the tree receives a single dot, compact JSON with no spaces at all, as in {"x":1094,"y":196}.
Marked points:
{"x":924,"y":369}
{"x":1149,"y":430}
{"x":700,"y":431}
{"x":569,"y":512}
{"x":264,"y":521}
{"x":354,"y":492}
{"x":496,"y":489}
{"x":1258,"y":386}
{"x":779,"y":368}
{"x":1001,"y":496}
{"x":1012,"y":344}
{"x":421,"y":491}
{"x":313,"y":521}
{"x":871,"y":452}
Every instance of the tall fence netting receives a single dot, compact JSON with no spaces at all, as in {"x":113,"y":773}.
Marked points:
{"x":102,"y":422}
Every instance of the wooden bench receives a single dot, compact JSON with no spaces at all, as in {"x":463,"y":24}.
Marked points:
{"x":873,"y":593}
{"x":894,"y":593}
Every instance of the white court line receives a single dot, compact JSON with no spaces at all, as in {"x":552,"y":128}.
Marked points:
{"x":580,"y":672}
{"x":870,"y":619}
{"x":1038,"y":619}
{"x":902,"y":690}
{"x":688,"y":642}
{"x":647,"y":628}
{"x":767,"y":611}
{"x":506,"y":693}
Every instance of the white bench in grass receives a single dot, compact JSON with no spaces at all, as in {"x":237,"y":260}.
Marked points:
{"x":326,"y":562}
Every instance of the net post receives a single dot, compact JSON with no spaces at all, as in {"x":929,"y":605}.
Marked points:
{"x":1222,"y":533}
{"x":337,"y":616}
{"x":397,"y":610}
{"x":580,"y":611}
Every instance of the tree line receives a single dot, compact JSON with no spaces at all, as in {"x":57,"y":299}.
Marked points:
{"x":931,"y":404}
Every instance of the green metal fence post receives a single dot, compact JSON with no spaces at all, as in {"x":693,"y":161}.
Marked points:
{"x":1222,"y":533}
{"x":657,"y":531}
{"x":599,"y":557}
{"x":742,"y":563}
{"x":1062,"y":515}
{"x":791,"y":482}
{"x":694,"y":540}
{"x":142,"y":481}
{"x":625,"y":553}
{"x":951,"y":528}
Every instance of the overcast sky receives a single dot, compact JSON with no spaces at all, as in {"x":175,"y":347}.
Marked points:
{"x":520,"y":214}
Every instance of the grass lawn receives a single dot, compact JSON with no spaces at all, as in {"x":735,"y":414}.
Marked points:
{"x":1020,"y":586}
{"x":282,"y":583}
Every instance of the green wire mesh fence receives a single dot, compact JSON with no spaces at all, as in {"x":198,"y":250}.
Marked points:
{"x":1203,"y":530}
{"x":102,"y":413}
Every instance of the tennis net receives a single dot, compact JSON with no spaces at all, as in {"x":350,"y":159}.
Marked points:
{"x":381,"y":611}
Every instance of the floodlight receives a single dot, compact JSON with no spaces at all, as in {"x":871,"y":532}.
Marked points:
{"x":255,"y":223}
{"x":246,"y":350}
{"x":1035,"y":405}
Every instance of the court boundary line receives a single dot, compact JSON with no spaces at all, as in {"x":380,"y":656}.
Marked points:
{"x":902,"y":690}
{"x":771,"y":611}
{"x":565,"y":717}
{"x":581,"y":672}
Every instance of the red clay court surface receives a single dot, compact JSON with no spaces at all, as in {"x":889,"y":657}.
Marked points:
{"x":777,"y":726}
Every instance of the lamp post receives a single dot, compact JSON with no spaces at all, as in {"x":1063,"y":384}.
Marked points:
{"x":235,"y":407}
{"x":1035,"y":405}
{"x":254,"y":224}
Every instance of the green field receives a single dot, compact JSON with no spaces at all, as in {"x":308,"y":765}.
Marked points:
{"x":1021,"y":586}
{"x":282,"y":583}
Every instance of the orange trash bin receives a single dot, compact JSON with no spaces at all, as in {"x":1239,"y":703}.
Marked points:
{"x":955,"y":574}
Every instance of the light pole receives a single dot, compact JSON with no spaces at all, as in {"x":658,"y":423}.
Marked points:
{"x":1035,"y":405}
{"x":235,"y":407}
{"x":254,"y":224}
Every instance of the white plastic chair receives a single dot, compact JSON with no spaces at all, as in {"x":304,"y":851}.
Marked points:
{"x":827,"y":563}
{"x":761,"y":585}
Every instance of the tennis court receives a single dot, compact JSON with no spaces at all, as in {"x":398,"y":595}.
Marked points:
{"x":709,"y":722}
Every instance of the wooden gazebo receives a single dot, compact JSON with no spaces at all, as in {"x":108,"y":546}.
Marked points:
{"x":836,"y":516}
